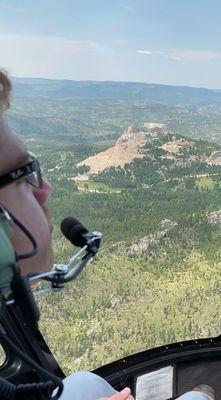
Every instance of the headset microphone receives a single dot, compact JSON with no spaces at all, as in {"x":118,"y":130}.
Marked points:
{"x":74,"y":231}
{"x":79,"y":236}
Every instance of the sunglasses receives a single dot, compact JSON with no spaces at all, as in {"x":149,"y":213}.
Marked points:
{"x":30,"y":171}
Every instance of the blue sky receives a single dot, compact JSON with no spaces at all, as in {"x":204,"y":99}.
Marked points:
{"x":175,"y":42}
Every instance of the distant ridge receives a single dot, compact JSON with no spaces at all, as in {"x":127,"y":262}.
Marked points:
{"x":151,"y":92}
{"x":76,"y":111}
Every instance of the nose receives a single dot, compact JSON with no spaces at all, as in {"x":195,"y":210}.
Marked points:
{"x":43,"y":193}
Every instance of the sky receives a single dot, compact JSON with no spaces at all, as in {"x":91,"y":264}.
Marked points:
{"x":175,"y":42}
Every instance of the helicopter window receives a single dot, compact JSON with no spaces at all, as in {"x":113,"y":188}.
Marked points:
{"x":119,"y":83}
{"x":155,"y":385}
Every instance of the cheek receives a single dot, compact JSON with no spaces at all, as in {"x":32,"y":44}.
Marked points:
{"x":29,"y":212}
{"x":40,"y":230}
{"x":37,"y":226}
{"x":43,"y":193}
{"x":21,"y":202}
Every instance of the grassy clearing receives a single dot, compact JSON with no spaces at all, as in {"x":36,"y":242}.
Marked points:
{"x":100,"y":187}
{"x":204,"y":182}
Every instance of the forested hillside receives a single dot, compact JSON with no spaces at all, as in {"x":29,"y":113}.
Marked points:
{"x":157,"y":277}
{"x":70,"y":111}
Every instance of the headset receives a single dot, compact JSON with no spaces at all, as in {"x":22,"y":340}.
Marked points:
{"x":28,"y":359}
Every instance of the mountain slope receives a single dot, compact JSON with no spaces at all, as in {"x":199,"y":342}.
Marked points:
{"x":127,"y":148}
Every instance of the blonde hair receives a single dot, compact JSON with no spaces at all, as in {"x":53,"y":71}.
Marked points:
{"x":5,"y":91}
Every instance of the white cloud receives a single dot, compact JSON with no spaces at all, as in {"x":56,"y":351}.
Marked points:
{"x":194,"y":55}
{"x":173,"y":57}
{"x":188,"y":55}
{"x":145,"y":52}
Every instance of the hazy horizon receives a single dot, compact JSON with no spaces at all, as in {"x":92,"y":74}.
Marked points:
{"x":112,"y":81}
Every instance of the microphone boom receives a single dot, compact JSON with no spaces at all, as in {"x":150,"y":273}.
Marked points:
{"x":79,"y":236}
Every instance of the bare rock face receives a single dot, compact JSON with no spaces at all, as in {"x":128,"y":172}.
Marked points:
{"x":129,"y":135}
{"x":214,"y":217}
{"x":154,"y":127}
{"x":214,"y":158}
{"x":147,"y":243}
{"x":125,"y":150}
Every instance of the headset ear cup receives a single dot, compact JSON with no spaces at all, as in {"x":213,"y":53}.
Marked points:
{"x":7,"y":253}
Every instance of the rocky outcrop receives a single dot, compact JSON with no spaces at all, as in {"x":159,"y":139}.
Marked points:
{"x":148,"y":242}
{"x":214,"y":158}
{"x":214,"y":217}
{"x":127,"y":147}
